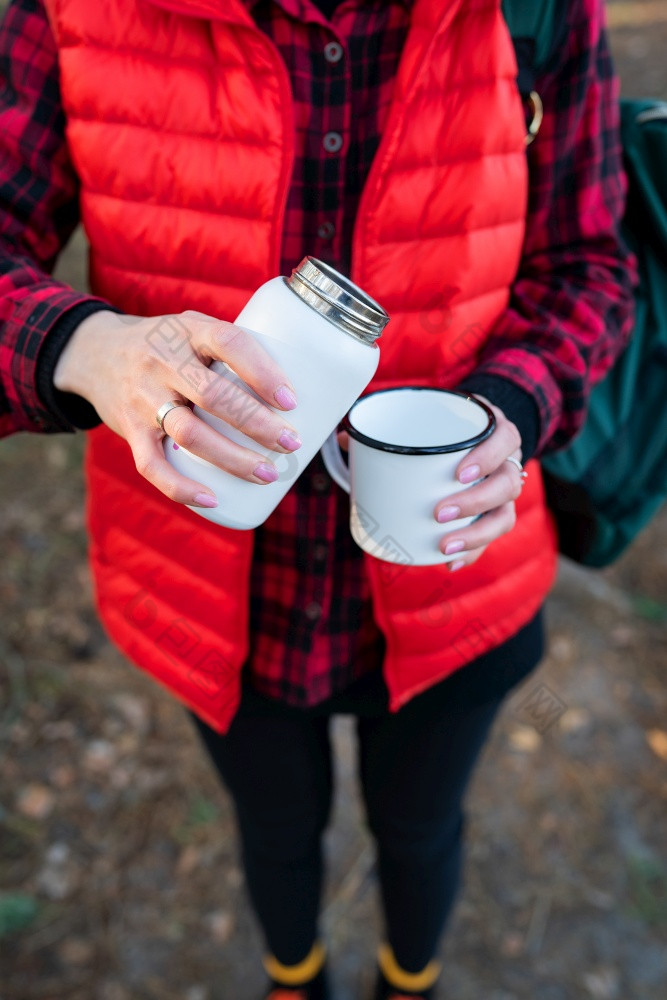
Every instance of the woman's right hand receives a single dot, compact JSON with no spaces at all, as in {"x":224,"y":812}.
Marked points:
{"x":127,"y":367}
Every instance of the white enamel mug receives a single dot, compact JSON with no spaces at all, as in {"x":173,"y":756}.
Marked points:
{"x":405,"y":446}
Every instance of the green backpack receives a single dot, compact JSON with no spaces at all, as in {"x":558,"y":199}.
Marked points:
{"x":612,"y":478}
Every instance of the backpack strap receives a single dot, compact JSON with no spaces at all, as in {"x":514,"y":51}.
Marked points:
{"x":537,"y":28}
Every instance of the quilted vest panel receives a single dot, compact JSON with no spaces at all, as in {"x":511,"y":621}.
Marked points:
{"x":180,"y":127}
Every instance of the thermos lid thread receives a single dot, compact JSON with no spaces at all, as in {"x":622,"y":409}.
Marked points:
{"x":338,"y":299}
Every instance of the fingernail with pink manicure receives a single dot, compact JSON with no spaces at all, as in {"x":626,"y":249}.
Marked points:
{"x":285,"y":397}
{"x":289,"y":440}
{"x":452,"y":547}
{"x":448,"y":514}
{"x":267,"y":473}
{"x":459,"y":564}
{"x":205,"y":500}
{"x":469,"y":474}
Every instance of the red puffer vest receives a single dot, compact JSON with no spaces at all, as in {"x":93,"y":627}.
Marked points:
{"x":180,"y":128}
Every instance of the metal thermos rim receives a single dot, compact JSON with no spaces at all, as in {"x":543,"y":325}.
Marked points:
{"x":338,"y":299}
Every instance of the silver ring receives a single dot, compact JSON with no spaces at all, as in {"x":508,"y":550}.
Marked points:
{"x":515,"y":461}
{"x":165,"y":408}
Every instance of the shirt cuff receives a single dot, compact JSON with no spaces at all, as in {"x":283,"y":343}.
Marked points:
{"x":517,"y":405}
{"x":70,"y":411}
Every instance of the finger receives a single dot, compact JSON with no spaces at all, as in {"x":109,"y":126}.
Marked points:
{"x":188,"y":431}
{"x":224,"y":397}
{"x":468,"y":560}
{"x":501,"y":486}
{"x":221,"y":341}
{"x":480,"y":534}
{"x":153,"y":466}
{"x":488,"y":455}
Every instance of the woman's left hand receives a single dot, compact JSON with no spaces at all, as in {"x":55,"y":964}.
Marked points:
{"x":493,"y":497}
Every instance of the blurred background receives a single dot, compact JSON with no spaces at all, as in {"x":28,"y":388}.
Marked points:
{"x":119,"y":877}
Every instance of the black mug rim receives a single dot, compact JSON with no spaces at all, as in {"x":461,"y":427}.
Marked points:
{"x":437,"y":449}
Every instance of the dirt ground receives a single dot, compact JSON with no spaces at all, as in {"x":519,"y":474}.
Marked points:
{"x":119,"y":877}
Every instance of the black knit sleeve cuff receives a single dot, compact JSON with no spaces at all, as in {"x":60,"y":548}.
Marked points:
{"x":517,"y":405}
{"x":72,"y":412}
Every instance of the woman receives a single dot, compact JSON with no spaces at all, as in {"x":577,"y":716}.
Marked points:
{"x":207,"y":147}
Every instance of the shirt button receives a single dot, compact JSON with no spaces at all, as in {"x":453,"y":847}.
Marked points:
{"x":320,"y":551}
{"x":320,"y":482}
{"x":326,"y":230}
{"x":332,"y":142}
{"x":333,"y":52}
{"x":313,"y":611}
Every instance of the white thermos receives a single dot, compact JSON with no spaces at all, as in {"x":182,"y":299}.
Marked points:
{"x":322,"y":330}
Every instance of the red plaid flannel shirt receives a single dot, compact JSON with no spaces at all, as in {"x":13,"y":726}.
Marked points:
{"x":311,"y":624}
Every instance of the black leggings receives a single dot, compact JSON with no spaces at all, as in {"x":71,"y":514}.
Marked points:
{"x":414,"y":766}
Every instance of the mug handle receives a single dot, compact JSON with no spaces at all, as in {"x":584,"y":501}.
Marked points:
{"x":333,"y":461}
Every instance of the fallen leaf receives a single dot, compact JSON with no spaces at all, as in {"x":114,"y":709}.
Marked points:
{"x":574,"y":719}
{"x":657,"y":740}
{"x":189,"y":860}
{"x":525,"y":738}
{"x":36,"y":802}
